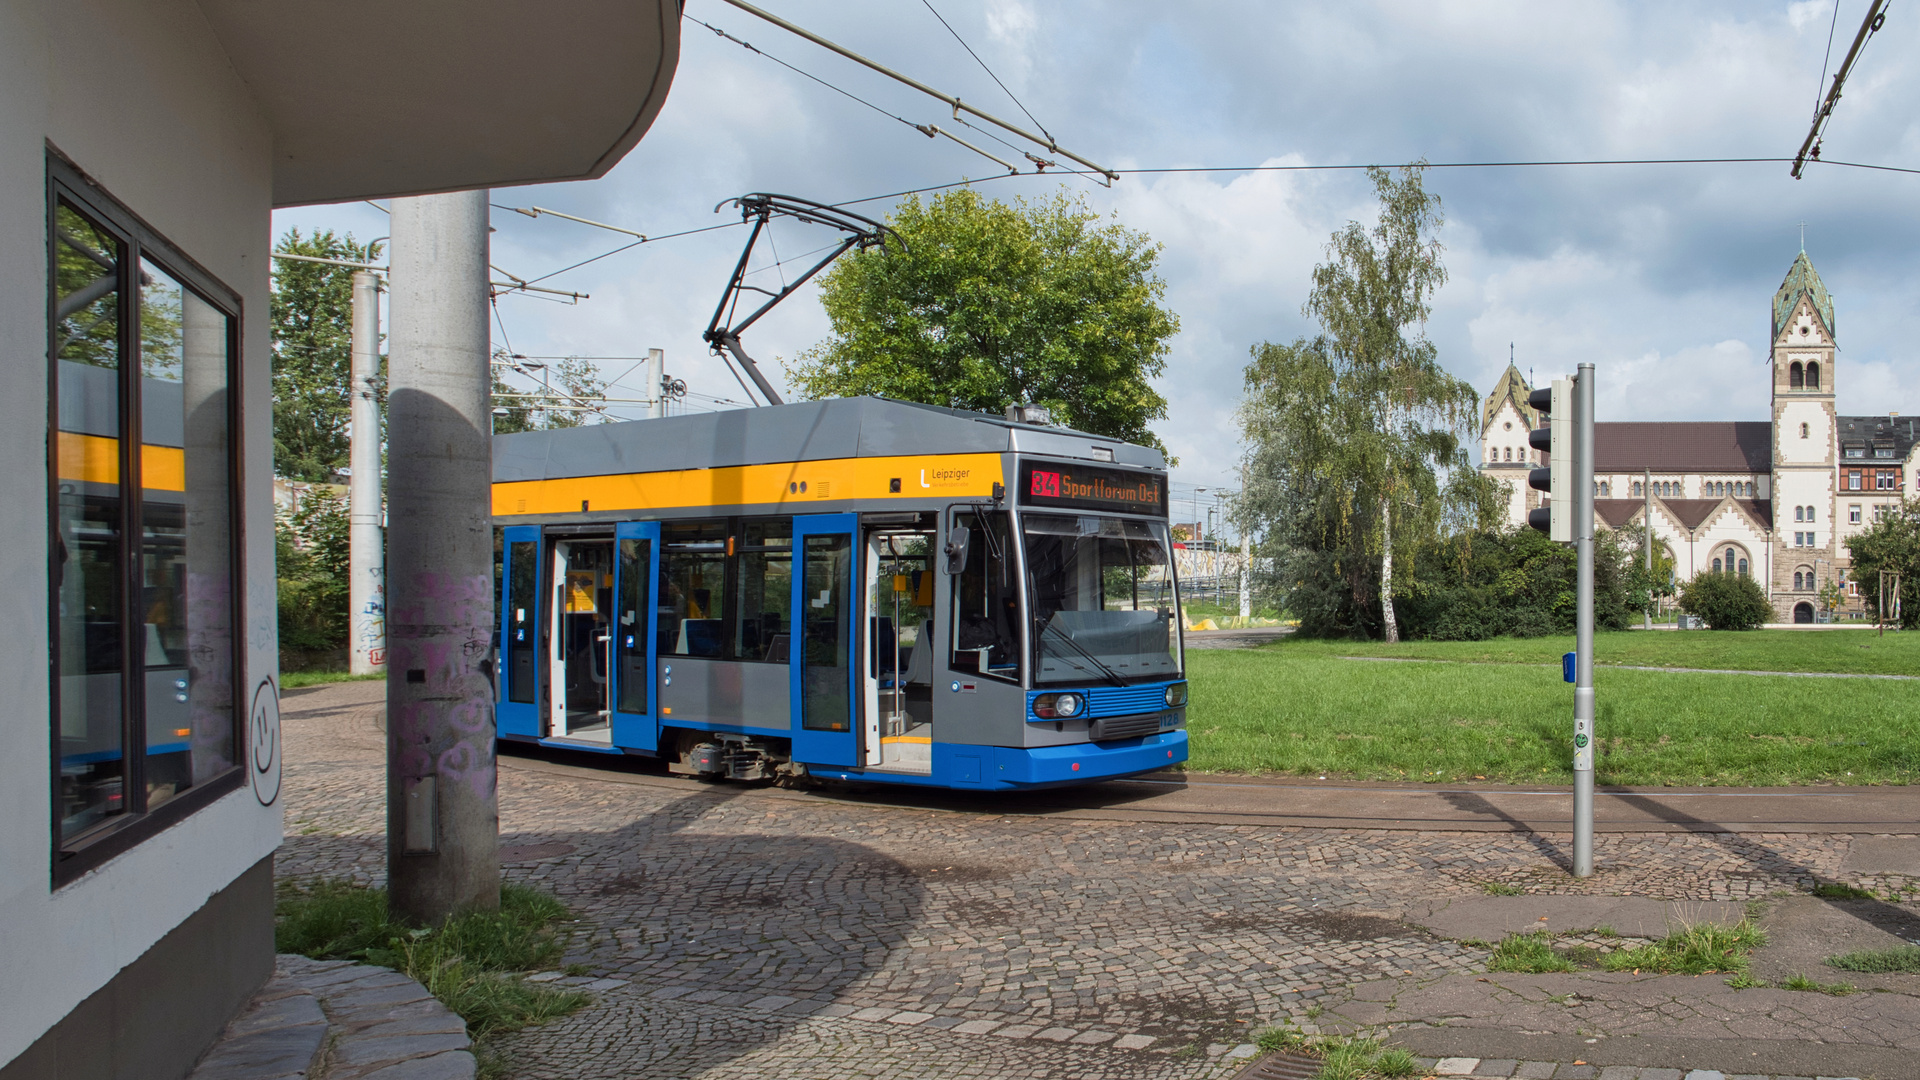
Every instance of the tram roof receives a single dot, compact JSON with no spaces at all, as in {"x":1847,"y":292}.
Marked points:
{"x":802,"y":431}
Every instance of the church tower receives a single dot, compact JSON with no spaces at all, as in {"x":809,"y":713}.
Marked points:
{"x":1804,"y":435}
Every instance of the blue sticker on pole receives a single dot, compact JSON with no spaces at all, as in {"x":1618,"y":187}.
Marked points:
{"x":1566,"y":666}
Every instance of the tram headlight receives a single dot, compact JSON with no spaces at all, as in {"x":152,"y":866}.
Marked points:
{"x":1058,"y":706}
{"x":1176,"y":695}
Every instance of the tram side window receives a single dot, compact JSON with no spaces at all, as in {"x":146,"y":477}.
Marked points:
{"x":693,"y":588}
{"x":763,"y":595}
{"x":986,"y":600}
{"x":142,"y":528}
{"x":523,"y":639}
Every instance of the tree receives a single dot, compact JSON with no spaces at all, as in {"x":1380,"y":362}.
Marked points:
{"x":311,"y":312}
{"x":1891,"y":543}
{"x":1357,"y":435}
{"x":571,"y":381}
{"x":311,"y":549}
{"x":1727,"y":601}
{"x":987,"y":304}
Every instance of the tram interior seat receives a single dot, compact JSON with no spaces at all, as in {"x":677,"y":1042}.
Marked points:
{"x":699,"y":637}
{"x":778,"y":649}
{"x":920,"y":657}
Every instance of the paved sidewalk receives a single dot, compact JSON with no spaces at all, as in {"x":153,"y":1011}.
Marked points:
{"x":736,"y":931}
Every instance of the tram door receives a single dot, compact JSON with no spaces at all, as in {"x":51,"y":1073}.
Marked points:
{"x":580,"y":642}
{"x":520,"y":711}
{"x":826,"y":724}
{"x":635,"y":635}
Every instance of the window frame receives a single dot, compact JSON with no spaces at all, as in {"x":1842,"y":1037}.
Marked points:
{"x":71,"y":859}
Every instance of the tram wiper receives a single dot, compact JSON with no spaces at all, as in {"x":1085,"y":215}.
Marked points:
{"x":1113,"y":676}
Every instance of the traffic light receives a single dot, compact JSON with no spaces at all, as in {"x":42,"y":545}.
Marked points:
{"x":1556,"y":518}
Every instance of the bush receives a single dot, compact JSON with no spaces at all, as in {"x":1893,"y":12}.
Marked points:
{"x":1516,"y":583}
{"x":1726,"y":601}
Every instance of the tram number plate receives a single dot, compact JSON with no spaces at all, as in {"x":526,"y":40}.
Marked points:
{"x":1169,"y":721}
{"x":1046,"y":485}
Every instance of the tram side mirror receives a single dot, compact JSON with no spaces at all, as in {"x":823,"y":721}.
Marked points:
{"x":956,"y":549}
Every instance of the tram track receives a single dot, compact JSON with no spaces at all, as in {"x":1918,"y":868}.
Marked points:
{"x":1177,"y":798}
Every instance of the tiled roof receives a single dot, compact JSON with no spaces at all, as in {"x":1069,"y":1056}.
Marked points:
{"x":1870,"y":432}
{"x":1691,"y":513}
{"x":1511,"y":387}
{"x":1690,"y":446}
{"x":1801,"y":279}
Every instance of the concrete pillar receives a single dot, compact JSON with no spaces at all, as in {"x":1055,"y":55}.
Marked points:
{"x":442,"y":818}
{"x":367,"y":562}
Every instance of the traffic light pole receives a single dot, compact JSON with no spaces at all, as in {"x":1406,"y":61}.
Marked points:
{"x":1583,"y":735}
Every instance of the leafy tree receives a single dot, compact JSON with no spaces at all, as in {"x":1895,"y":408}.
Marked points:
{"x":1891,"y":543}
{"x":1726,"y":601}
{"x":989,"y":304}
{"x":1357,"y":434}
{"x":1514,"y":583}
{"x":311,"y":547}
{"x":571,"y":380}
{"x":311,"y":312}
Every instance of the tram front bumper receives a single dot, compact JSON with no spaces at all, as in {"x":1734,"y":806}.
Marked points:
{"x":1048,"y":766}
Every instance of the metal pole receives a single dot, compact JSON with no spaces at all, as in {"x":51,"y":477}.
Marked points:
{"x":1583,"y":735}
{"x":442,"y":821}
{"x":1646,"y":525}
{"x":656,"y":383}
{"x":366,"y":559}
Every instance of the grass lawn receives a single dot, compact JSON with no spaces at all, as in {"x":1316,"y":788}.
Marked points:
{"x":1850,"y":651}
{"x":294,"y":680}
{"x":1297,"y":708}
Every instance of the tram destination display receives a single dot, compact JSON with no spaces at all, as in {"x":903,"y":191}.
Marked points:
{"x":1073,"y":486}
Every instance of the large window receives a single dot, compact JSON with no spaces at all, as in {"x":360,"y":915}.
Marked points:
{"x":141,"y":532}
{"x":1103,"y":599}
{"x":986,"y":599}
{"x":726,"y":589}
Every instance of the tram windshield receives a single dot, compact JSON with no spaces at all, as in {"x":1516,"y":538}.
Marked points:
{"x":1102,"y":599}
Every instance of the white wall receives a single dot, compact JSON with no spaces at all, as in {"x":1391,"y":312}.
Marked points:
{"x":140,"y":96}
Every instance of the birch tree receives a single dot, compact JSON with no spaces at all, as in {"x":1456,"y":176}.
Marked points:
{"x":1357,"y":434}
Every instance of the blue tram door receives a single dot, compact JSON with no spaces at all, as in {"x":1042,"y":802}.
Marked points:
{"x":521,"y":640}
{"x":635,"y":642}
{"x":826,"y":730}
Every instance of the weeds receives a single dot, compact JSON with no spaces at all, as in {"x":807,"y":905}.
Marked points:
{"x":1902,"y":959}
{"x":1286,"y":1037}
{"x":1745,"y":981}
{"x":1834,"y":890}
{"x":1528,"y":954}
{"x":471,"y":962}
{"x":1501,"y":888}
{"x":1701,"y":949}
{"x":1798,"y":981}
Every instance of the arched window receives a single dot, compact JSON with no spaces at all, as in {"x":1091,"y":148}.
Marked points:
{"x":1796,"y":376}
{"x":1798,"y":585}
{"x":1809,"y":513}
{"x":1813,"y":376}
{"x":1606,"y":489}
{"x":1803,"y":431}
{"x":1799,"y":513}
{"x":1730,"y":556}
{"x":1509,"y":453}
{"x":1743,"y":568}
{"x":1636,"y":489}
{"x":1716,"y":566}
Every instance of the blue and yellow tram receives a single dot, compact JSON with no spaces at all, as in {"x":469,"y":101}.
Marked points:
{"x":857,"y":589}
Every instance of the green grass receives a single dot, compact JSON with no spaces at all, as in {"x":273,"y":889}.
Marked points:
{"x":471,"y":962}
{"x":1801,"y":982}
{"x":1501,"y":888}
{"x":1902,"y":959}
{"x":1700,"y":949}
{"x":1297,"y":709}
{"x":1851,"y":652}
{"x":1834,"y":890}
{"x":295,"y":680}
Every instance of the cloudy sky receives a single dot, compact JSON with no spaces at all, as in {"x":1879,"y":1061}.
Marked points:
{"x":1660,"y":275}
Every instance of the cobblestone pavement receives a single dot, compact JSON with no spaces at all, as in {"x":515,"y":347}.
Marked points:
{"x":729,"y":933}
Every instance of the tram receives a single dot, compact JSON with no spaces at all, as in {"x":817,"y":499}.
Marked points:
{"x":854,"y":589}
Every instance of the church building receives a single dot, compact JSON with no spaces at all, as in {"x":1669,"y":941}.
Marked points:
{"x":1774,"y":499}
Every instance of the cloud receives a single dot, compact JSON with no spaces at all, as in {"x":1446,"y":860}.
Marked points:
{"x":1661,"y":275}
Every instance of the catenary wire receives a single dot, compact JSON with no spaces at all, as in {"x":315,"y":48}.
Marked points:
{"x":996,"y":78}
{"x":797,"y":71}
{"x":1820,"y":88}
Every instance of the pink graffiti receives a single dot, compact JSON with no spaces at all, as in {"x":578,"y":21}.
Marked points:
{"x":461,"y":762}
{"x":453,"y":603}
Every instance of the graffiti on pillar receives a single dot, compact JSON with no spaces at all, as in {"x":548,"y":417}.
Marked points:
{"x":441,"y":627}
{"x":370,"y":622}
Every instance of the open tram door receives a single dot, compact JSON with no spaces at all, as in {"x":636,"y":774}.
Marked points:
{"x":635,"y":639}
{"x":826,"y":725}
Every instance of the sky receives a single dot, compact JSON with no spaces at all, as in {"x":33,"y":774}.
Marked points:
{"x":1660,"y":275}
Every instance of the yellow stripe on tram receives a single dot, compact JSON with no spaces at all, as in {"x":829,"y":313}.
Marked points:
{"x":793,"y":483}
{"x":95,"y":459}
{"x":921,"y":739}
